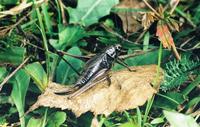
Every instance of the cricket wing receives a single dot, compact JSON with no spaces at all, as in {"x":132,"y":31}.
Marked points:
{"x":94,"y":60}
{"x":100,"y":76}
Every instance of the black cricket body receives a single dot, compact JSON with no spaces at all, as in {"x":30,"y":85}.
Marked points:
{"x":99,"y":65}
{"x":95,"y":70}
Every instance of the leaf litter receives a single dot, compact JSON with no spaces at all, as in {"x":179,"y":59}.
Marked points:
{"x":127,"y":90}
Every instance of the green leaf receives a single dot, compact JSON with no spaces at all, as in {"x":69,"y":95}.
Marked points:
{"x":109,"y":23}
{"x":90,"y":11}
{"x":145,"y":59}
{"x":3,"y":73}
{"x":8,"y":2}
{"x":146,"y":41}
{"x":20,"y":85}
{"x":185,"y":15}
{"x":3,"y":122}
{"x":68,"y":36}
{"x":177,"y":72}
{"x":12,"y":55}
{"x":85,"y":120}
{"x":169,"y":100}
{"x":128,"y":124}
{"x":139,"y":117}
{"x":33,"y":122}
{"x":56,"y":119}
{"x":193,"y":102}
{"x":157,"y":120}
{"x":39,"y":122}
{"x":64,"y":73}
{"x":47,"y":17}
{"x":180,"y":120}
{"x":4,"y":100}
{"x":191,"y":86}
{"x":37,"y":73}
{"x":196,"y":16}
{"x":54,"y":58}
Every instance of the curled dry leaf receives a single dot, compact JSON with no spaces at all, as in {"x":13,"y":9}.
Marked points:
{"x":127,"y":90}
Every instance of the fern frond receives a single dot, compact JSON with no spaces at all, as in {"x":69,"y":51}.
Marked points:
{"x":177,"y":72}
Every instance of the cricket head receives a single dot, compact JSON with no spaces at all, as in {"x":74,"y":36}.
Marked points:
{"x":113,"y":51}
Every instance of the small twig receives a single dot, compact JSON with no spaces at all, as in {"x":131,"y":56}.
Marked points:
{"x":141,"y":35}
{"x":136,"y":54}
{"x":150,"y":7}
{"x":6,"y":29}
{"x":117,"y":35}
{"x":174,"y":7}
{"x":197,"y":46}
{"x":196,"y":113}
{"x":178,"y":57}
{"x":15,"y":71}
{"x":62,"y":12}
{"x":188,"y":40}
{"x":18,"y":9}
{"x":17,"y":124}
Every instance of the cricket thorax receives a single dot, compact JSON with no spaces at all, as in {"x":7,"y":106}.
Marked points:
{"x":113,"y":51}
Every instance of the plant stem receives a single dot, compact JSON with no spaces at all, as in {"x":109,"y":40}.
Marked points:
{"x":45,"y":118}
{"x":45,"y":44}
{"x":174,"y":7}
{"x":13,"y":73}
{"x":59,"y":13}
{"x":101,"y":121}
{"x":148,"y":108}
{"x":139,"y":117}
{"x":191,"y":86}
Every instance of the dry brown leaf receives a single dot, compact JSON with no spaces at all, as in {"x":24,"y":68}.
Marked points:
{"x":127,"y":90}
{"x":4,"y":31}
{"x":128,"y":17}
{"x":21,"y":7}
{"x":173,"y":25}
{"x":164,"y":35}
{"x":160,"y":11}
{"x":166,"y":39}
{"x":147,"y":19}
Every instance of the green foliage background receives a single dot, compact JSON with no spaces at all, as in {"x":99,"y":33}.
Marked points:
{"x":85,"y":27}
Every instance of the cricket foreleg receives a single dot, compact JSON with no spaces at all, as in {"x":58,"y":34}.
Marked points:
{"x":108,"y":79}
{"x":121,"y":62}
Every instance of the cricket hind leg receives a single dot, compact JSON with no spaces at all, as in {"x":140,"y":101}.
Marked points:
{"x":100,"y":76}
{"x":66,"y":92}
{"x":85,"y":88}
{"x":69,"y":91}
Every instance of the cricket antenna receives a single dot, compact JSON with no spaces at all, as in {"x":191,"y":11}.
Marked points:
{"x":61,"y":56}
